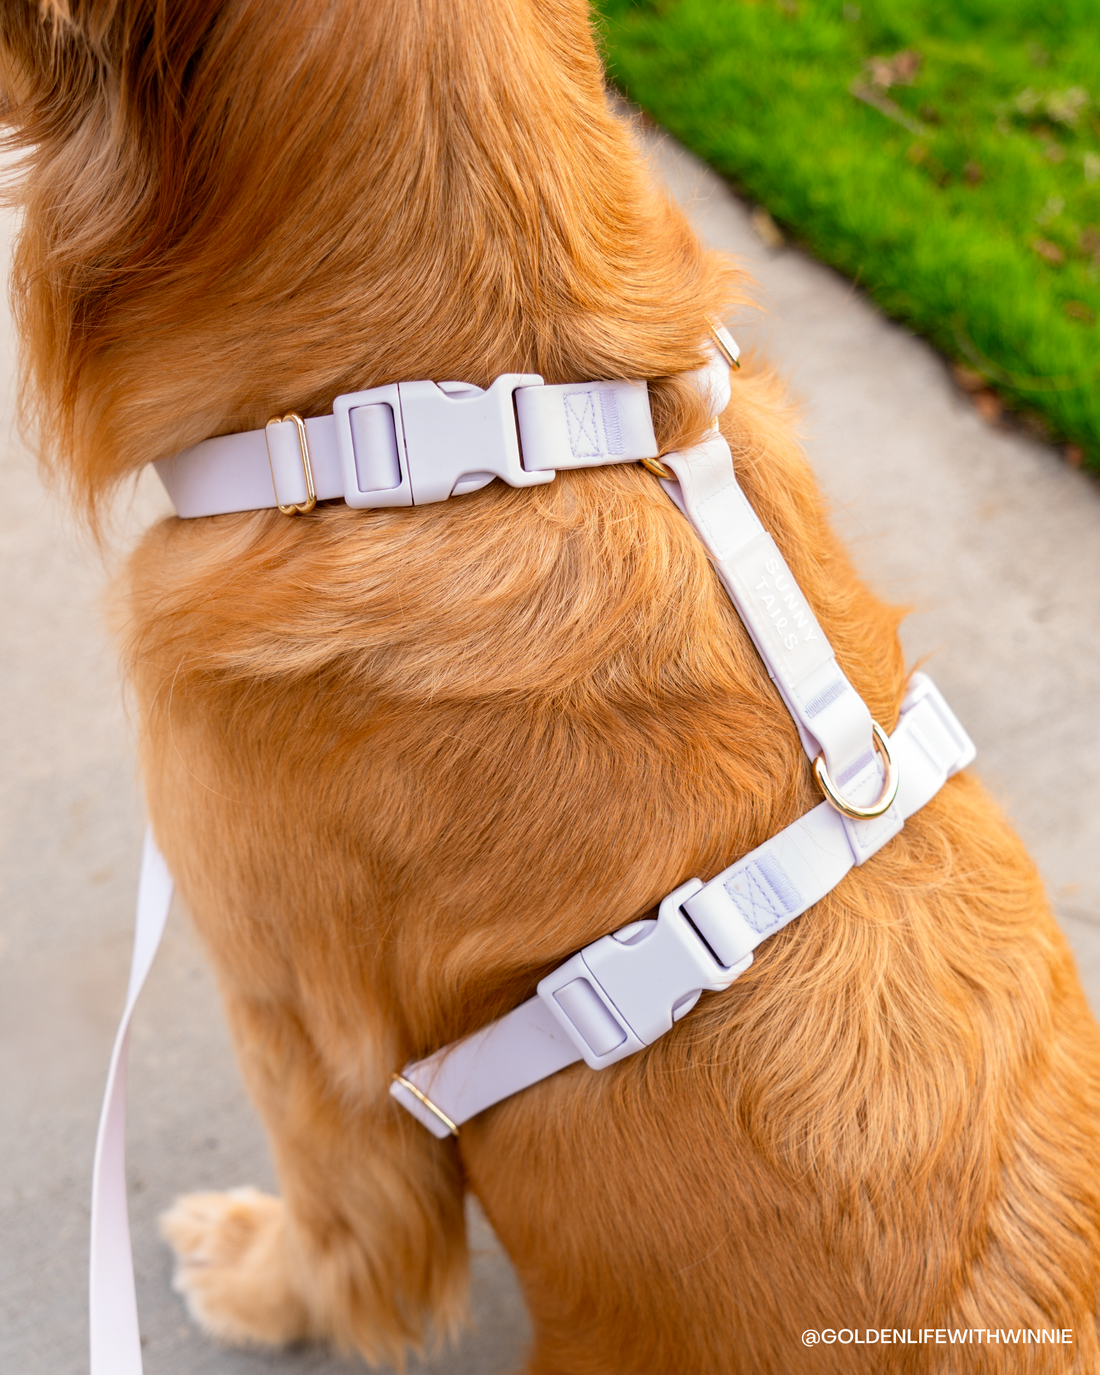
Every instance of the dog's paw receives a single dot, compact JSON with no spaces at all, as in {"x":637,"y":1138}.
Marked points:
{"x":232,"y":1266}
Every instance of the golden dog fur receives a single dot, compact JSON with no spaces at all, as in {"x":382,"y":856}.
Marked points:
{"x":402,"y":763}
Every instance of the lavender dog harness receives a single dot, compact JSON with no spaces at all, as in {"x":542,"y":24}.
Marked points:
{"x":414,"y":443}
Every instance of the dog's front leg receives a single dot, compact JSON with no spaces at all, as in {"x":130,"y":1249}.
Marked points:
{"x":367,"y":1244}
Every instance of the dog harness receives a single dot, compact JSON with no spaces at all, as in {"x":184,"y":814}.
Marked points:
{"x":413,"y":443}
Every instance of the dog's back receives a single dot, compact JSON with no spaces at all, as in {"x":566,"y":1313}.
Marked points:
{"x":403,"y":763}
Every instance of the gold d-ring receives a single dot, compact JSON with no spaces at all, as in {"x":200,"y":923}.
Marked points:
{"x":889,"y":788}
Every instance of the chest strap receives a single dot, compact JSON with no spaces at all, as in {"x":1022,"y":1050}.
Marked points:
{"x":625,"y":990}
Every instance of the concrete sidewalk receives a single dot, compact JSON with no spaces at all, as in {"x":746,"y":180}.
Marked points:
{"x":989,"y":535}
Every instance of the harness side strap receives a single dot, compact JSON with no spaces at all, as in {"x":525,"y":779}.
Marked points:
{"x":526,"y":1045}
{"x":738,"y":909}
{"x":114,"y":1336}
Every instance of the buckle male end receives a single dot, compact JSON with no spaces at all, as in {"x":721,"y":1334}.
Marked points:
{"x":434,"y":439}
{"x":625,"y":991}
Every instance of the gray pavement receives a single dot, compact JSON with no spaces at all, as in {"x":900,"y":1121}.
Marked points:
{"x":989,"y":535}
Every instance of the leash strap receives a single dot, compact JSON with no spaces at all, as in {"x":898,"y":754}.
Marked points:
{"x":624,"y":991}
{"x":113,"y":1322}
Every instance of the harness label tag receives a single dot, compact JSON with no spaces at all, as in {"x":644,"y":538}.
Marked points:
{"x":770,"y":600}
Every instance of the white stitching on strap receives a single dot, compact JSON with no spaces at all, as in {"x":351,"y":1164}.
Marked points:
{"x":826,"y":697}
{"x":580,"y":412}
{"x":609,"y":413}
{"x":763,"y":892}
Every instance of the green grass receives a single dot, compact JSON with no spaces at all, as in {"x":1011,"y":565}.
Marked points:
{"x":966,"y":203}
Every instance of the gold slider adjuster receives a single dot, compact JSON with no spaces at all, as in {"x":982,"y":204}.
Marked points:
{"x":423,"y":1098}
{"x":889,"y":787}
{"x":300,"y":508}
{"x":728,"y":349}
{"x":724,"y":341}
{"x":656,"y":466}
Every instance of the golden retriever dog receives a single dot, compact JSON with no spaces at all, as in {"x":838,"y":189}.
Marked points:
{"x":402,"y":763}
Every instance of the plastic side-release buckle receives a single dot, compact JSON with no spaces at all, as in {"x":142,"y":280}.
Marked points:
{"x":412,"y":443}
{"x":625,"y":990}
